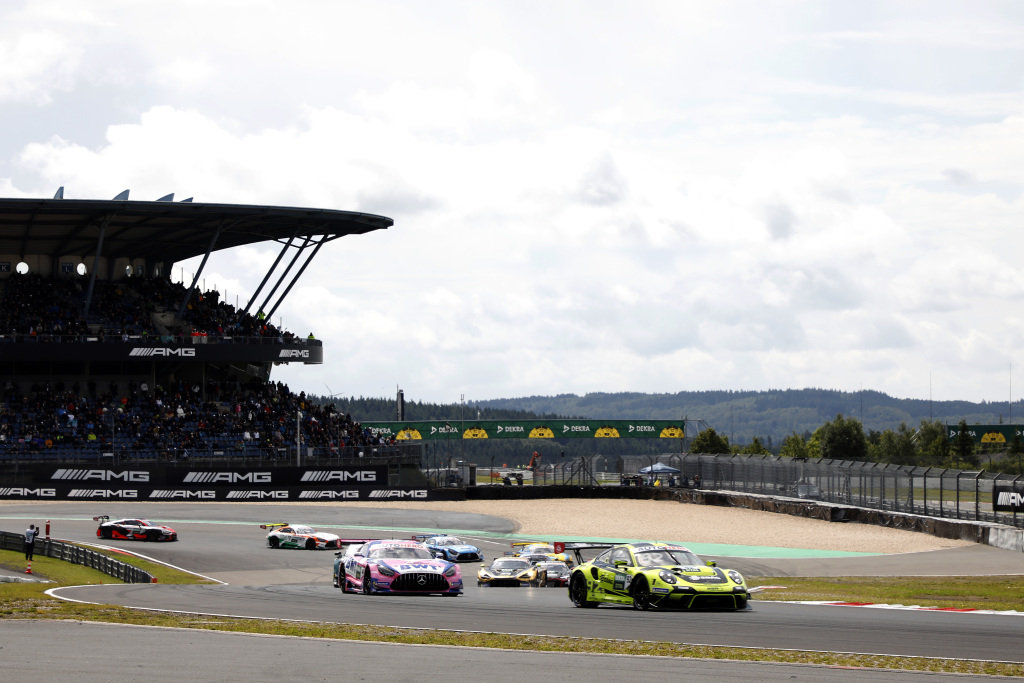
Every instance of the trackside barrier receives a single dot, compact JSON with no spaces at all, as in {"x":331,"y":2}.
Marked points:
{"x":987,"y":533}
{"x":76,"y":554}
{"x":938,"y":492}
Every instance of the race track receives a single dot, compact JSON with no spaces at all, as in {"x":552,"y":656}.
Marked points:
{"x":224,"y":542}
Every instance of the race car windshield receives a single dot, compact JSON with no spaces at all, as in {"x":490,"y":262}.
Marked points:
{"x":302,"y":530}
{"x":555,"y":567}
{"x":451,"y":540}
{"x":540,"y":549}
{"x":399,"y":553}
{"x":662,"y":558}
{"x":510,"y":564}
{"x":143,"y":522}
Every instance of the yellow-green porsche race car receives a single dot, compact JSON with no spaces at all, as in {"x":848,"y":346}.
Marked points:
{"x":646,"y":575}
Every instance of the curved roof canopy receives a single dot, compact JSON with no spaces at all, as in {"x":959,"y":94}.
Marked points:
{"x":163,"y":231}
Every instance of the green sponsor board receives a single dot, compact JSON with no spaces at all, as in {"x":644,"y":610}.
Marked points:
{"x":530,"y":429}
{"x":989,"y":433}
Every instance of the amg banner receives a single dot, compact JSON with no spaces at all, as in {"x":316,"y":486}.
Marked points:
{"x":226,"y":350}
{"x":1007,"y":499}
{"x":277,"y":476}
{"x":90,"y":491}
{"x":212,"y":477}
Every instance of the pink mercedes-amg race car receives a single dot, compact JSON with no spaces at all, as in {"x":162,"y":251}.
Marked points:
{"x":395,"y":566}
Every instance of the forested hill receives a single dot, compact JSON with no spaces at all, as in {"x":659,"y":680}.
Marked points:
{"x":742,"y":415}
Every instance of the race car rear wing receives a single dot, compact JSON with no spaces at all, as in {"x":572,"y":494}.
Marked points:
{"x":423,"y":537}
{"x":577,"y":548}
{"x":273,"y":525}
{"x":519,"y":545}
{"x":101,"y":518}
{"x":346,"y":542}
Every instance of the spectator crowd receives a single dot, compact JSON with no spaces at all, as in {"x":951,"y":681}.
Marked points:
{"x":173,"y":423}
{"x":48,"y":309}
{"x":87,"y":418}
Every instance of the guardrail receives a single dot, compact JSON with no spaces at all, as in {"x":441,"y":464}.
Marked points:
{"x":76,"y":554}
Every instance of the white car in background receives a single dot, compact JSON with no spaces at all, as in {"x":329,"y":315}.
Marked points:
{"x":284,"y":535}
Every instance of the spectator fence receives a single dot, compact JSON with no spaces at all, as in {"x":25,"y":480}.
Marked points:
{"x":76,"y":554}
{"x":920,"y":490}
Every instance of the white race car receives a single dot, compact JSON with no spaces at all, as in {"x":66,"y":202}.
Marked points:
{"x":284,"y":535}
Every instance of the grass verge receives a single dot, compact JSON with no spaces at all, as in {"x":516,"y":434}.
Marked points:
{"x":945,"y":592}
{"x":29,"y":601}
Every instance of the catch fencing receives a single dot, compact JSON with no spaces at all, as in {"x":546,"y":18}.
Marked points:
{"x":76,"y":554}
{"x":928,"y":491}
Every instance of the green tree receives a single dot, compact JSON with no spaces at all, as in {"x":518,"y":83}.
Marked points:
{"x":755,"y":448}
{"x":1017,"y":450}
{"x":709,"y":441}
{"x":794,"y":446}
{"x":814,"y":444}
{"x":843,"y":439}
{"x":897,"y":447}
{"x":932,"y":443}
{"x":963,"y":447}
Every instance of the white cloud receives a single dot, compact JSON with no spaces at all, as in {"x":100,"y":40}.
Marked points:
{"x":586,"y":197}
{"x":33,"y":65}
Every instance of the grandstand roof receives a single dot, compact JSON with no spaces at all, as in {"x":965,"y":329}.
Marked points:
{"x":162,"y":230}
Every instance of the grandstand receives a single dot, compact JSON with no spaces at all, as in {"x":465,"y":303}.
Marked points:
{"x":103,"y":359}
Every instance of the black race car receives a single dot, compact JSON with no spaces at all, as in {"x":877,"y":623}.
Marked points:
{"x":133,"y":529}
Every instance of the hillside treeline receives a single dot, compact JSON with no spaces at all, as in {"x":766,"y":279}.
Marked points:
{"x":844,"y":438}
{"x":792,"y":422}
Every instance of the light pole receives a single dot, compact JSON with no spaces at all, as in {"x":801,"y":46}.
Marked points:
{"x":298,"y":438}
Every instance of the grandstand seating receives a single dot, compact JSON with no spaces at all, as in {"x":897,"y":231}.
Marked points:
{"x":88,"y":418}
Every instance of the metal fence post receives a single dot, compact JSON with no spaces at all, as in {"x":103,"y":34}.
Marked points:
{"x":977,"y":495}
{"x":957,"y":493}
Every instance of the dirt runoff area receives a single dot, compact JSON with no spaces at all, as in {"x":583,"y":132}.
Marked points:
{"x":687,"y":523}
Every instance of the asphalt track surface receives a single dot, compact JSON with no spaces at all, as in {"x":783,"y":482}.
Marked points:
{"x":223,"y":541}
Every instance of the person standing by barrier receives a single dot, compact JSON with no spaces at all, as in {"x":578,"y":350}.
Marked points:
{"x":30,"y":541}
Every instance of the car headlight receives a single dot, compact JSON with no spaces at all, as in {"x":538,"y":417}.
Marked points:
{"x":735,"y":576}
{"x":385,"y":570}
{"x":667,"y":576}
{"x":450,"y":571}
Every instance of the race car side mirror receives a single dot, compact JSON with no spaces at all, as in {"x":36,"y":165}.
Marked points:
{"x":711,"y":563}
{"x":620,"y":563}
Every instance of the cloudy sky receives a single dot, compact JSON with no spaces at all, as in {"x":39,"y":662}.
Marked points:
{"x":587,"y":196}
